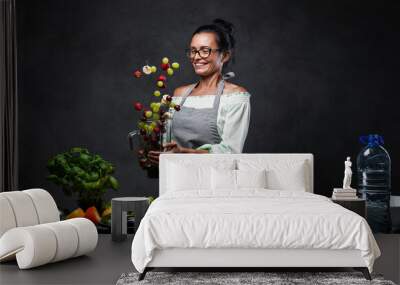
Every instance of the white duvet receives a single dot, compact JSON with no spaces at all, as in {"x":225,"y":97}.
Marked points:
{"x":250,"y":219}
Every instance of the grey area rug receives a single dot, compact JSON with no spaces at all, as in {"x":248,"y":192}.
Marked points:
{"x":233,"y":278}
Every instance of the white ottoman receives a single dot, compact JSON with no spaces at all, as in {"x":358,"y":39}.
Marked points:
{"x":31,"y":232}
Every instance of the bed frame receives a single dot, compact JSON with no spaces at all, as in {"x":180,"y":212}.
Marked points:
{"x":246,"y":258}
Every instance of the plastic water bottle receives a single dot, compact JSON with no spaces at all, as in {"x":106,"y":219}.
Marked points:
{"x":374,"y":182}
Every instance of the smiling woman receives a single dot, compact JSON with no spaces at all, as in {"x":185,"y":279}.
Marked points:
{"x":215,"y":114}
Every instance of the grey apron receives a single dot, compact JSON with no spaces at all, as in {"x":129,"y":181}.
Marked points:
{"x":193,"y":127}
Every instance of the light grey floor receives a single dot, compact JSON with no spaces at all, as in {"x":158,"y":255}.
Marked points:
{"x":111,"y":259}
{"x":103,"y":266}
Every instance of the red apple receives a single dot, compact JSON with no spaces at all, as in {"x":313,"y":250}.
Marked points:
{"x":156,"y":130}
{"x":137,"y":73}
{"x":162,"y":78}
{"x":138,"y":106}
{"x":164,"y":66}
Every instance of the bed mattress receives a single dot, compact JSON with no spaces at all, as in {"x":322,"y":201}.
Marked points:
{"x":251,"y":219}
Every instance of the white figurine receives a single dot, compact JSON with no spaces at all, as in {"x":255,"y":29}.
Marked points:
{"x":347,"y":174}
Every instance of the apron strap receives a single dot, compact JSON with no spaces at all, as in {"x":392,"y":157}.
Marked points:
{"x":187,"y":93}
{"x":220,"y":89}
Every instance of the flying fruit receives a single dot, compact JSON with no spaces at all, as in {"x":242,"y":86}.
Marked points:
{"x":155,"y":115}
{"x":93,"y":215}
{"x":164,"y":66}
{"x":157,"y":93}
{"x":167,"y":115}
{"x":165,"y":60}
{"x":77,"y":213}
{"x":160,"y":84}
{"x":141,"y":125}
{"x":153,"y":69}
{"x":138,"y":106}
{"x":164,"y":99}
{"x":175,"y":65}
{"x":170,"y":71}
{"x":137,"y":74}
{"x":168,"y":98}
{"x":146,"y":69}
{"x":172,"y":105}
{"x":150,"y":128}
{"x":156,"y":108}
{"x":148,"y":114}
{"x":177,"y":107}
{"x":162,"y":78}
{"x":157,"y":130}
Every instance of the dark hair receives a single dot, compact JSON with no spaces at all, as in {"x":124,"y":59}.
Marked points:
{"x":224,"y":35}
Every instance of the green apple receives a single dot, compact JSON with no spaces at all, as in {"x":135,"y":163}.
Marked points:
{"x":175,"y":65}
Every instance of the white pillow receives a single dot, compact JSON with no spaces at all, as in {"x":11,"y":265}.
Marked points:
{"x":251,"y":178}
{"x":281,"y":174}
{"x":193,"y":175}
{"x":223,"y":179}
{"x":226,"y":179}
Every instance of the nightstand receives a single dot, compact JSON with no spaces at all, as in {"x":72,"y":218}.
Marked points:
{"x":358,"y":206}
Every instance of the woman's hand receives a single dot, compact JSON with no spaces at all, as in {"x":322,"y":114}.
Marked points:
{"x":172,"y":147}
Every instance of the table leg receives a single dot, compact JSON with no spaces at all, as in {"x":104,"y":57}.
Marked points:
{"x":140,"y":211}
{"x":116,"y":222}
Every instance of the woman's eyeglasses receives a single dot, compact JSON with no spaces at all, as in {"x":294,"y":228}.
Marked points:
{"x":203,"y":52}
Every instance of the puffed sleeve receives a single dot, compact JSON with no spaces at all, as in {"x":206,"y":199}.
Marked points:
{"x":232,"y":123}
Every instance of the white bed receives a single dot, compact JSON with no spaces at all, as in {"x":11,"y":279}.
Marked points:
{"x":289,"y":226}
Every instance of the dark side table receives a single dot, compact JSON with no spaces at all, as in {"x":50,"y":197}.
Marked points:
{"x":120,"y":207}
{"x":358,"y":205}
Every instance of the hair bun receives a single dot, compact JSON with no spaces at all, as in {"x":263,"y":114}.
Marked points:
{"x":226,"y":26}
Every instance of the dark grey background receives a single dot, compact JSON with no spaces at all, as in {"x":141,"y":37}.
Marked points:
{"x":321,"y":73}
